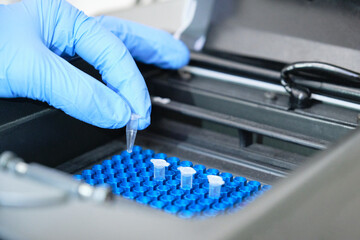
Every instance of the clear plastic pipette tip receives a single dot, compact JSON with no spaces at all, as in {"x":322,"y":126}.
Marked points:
{"x":131,"y":130}
{"x":186,"y":176}
{"x":215,"y":183}
{"x":159,"y":168}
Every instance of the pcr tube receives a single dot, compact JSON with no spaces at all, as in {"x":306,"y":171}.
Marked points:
{"x":131,"y":130}
{"x":186,"y":177}
{"x":159,"y":168}
{"x":215,"y":183}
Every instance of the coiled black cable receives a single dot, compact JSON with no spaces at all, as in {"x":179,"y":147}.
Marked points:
{"x":300,"y":97}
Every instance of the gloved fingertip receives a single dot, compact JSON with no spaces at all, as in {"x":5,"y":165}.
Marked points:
{"x":120,"y":116}
{"x":144,"y":123}
{"x":184,"y":56}
{"x":180,"y":55}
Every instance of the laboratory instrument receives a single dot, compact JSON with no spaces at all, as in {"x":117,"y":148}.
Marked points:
{"x":227,"y":111}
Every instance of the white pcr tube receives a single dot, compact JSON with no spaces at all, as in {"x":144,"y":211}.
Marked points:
{"x":159,"y":168}
{"x":215,"y":183}
{"x":186,"y":177}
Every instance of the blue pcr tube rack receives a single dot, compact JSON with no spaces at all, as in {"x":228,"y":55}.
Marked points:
{"x":131,"y":176}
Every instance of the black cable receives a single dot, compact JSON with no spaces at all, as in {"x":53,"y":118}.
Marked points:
{"x":299,"y":95}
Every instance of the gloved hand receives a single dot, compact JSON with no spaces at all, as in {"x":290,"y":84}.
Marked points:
{"x":36,"y":34}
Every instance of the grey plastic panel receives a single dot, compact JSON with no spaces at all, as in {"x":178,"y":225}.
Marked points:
{"x":288,"y":30}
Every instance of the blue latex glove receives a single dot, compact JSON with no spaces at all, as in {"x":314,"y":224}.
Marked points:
{"x":36,"y":34}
